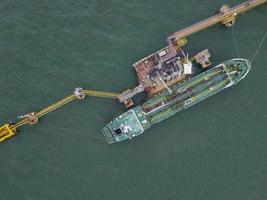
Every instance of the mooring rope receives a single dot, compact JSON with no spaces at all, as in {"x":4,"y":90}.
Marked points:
{"x":259,"y":47}
{"x":235,"y":42}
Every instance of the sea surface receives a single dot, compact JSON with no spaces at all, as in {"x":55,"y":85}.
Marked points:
{"x":216,"y":150}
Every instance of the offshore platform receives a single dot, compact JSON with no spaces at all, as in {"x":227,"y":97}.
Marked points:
{"x":156,"y":73}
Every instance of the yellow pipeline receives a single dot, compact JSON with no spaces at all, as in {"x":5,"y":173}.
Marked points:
{"x":9,"y":130}
{"x":186,"y":86}
{"x":207,"y":91}
{"x":101,"y":94}
{"x":165,"y":113}
{"x":218,"y":18}
{"x":56,"y":105}
{"x":161,"y":115}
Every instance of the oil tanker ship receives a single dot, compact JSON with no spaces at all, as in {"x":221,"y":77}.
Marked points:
{"x":170,"y":79}
{"x":180,"y":96}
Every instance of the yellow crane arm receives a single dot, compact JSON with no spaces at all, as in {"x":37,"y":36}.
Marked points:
{"x":9,"y":130}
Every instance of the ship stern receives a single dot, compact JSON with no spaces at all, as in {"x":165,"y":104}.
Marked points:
{"x":126,"y":126}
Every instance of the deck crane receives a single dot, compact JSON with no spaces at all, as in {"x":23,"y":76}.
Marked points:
{"x":9,"y":130}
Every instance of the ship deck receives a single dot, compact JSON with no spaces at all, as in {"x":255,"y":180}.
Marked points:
{"x":164,"y":104}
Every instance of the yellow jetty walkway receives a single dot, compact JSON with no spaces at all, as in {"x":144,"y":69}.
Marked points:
{"x":227,"y":16}
{"x":9,"y":130}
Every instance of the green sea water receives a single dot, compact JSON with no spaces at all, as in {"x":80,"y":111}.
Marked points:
{"x":216,"y":150}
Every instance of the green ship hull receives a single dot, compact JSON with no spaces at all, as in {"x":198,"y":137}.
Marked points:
{"x":135,"y":121}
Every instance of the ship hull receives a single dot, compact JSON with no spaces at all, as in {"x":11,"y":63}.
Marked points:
{"x":135,"y":121}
